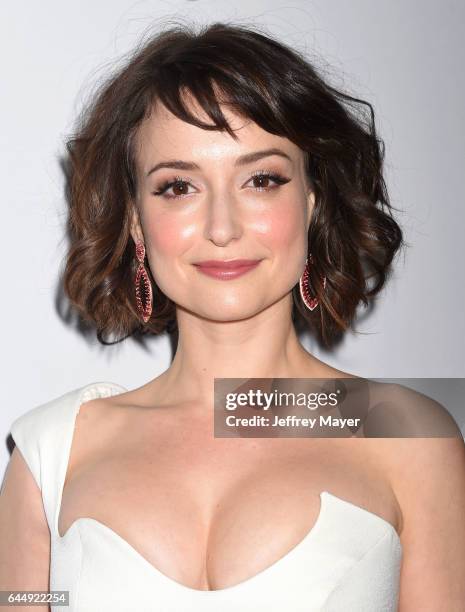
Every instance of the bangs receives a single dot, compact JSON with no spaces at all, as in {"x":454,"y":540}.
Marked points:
{"x":242,"y":77}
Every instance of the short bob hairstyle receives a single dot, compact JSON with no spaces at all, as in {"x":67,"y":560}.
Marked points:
{"x":352,"y":236}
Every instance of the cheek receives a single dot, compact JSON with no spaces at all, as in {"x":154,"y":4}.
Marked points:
{"x":170,"y":235}
{"x":281,"y":226}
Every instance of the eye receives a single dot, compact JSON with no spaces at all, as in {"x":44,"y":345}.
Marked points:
{"x":264,"y":176}
{"x":178,"y":183}
{"x":261,"y":176}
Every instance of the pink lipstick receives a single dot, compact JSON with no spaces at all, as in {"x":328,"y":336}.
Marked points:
{"x":227,"y":270}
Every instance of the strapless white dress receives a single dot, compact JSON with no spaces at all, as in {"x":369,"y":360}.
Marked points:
{"x":349,"y":561}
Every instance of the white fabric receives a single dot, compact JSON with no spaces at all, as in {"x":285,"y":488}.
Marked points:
{"x":349,"y":562}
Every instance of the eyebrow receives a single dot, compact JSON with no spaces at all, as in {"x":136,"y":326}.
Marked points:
{"x":243,"y":160}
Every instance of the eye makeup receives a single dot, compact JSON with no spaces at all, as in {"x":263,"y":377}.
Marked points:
{"x":179,"y":181}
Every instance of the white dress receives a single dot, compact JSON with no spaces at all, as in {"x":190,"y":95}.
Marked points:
{"x":349,"y":561}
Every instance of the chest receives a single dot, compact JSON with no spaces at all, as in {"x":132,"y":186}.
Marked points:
{"x":212,"y":512}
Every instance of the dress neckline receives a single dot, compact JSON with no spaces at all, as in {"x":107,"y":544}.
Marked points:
{"x":327,"y":500}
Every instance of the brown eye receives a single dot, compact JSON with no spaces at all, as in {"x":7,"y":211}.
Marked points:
{"x":180,"y":188}
{"x":261,"y":181}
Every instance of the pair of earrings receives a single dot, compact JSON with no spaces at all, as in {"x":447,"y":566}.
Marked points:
{"x":145,"y":305}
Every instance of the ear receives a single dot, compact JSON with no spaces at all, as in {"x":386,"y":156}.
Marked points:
{"x":136,"y":228}
{"x":310,"y":207}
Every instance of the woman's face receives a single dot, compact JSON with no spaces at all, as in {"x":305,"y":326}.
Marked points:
{"x":221,"y":212}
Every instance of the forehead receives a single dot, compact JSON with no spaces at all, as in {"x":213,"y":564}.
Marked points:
{"x":163,"y":135}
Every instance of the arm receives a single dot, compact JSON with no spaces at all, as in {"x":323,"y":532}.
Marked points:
{"x":24,"y":532}
{"x":430,"y":486}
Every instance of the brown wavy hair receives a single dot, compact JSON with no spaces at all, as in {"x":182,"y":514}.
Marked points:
{"x":353,"y":236}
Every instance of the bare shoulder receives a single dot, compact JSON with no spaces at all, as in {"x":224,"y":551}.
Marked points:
{"x":107,"y":410}
{"x":396,"y":411}
{"x":99,"y":422}
{"x":407,"y":429}
{"x":104,"y":417}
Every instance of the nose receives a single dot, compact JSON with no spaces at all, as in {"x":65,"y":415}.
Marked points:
{"x":223,"y":222}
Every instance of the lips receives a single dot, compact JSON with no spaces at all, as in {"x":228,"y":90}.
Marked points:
{"x":226,"y":270}
{"x":229,"y":264}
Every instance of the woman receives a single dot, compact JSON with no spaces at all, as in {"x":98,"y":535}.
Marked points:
{"x":226,"y":145}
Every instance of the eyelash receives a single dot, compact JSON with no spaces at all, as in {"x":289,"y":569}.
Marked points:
{"x":274,"y":176}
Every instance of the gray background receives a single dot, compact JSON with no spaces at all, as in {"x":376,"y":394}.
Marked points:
{"x":403,"y":57}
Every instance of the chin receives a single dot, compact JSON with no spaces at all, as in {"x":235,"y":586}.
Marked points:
{"x":224,"y":312}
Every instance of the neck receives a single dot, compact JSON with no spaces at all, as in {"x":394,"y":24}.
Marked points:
{"x":261,"y":346}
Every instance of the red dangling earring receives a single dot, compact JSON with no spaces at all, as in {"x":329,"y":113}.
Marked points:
{"x":144,"y":309}
{"x":310,"y":302}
